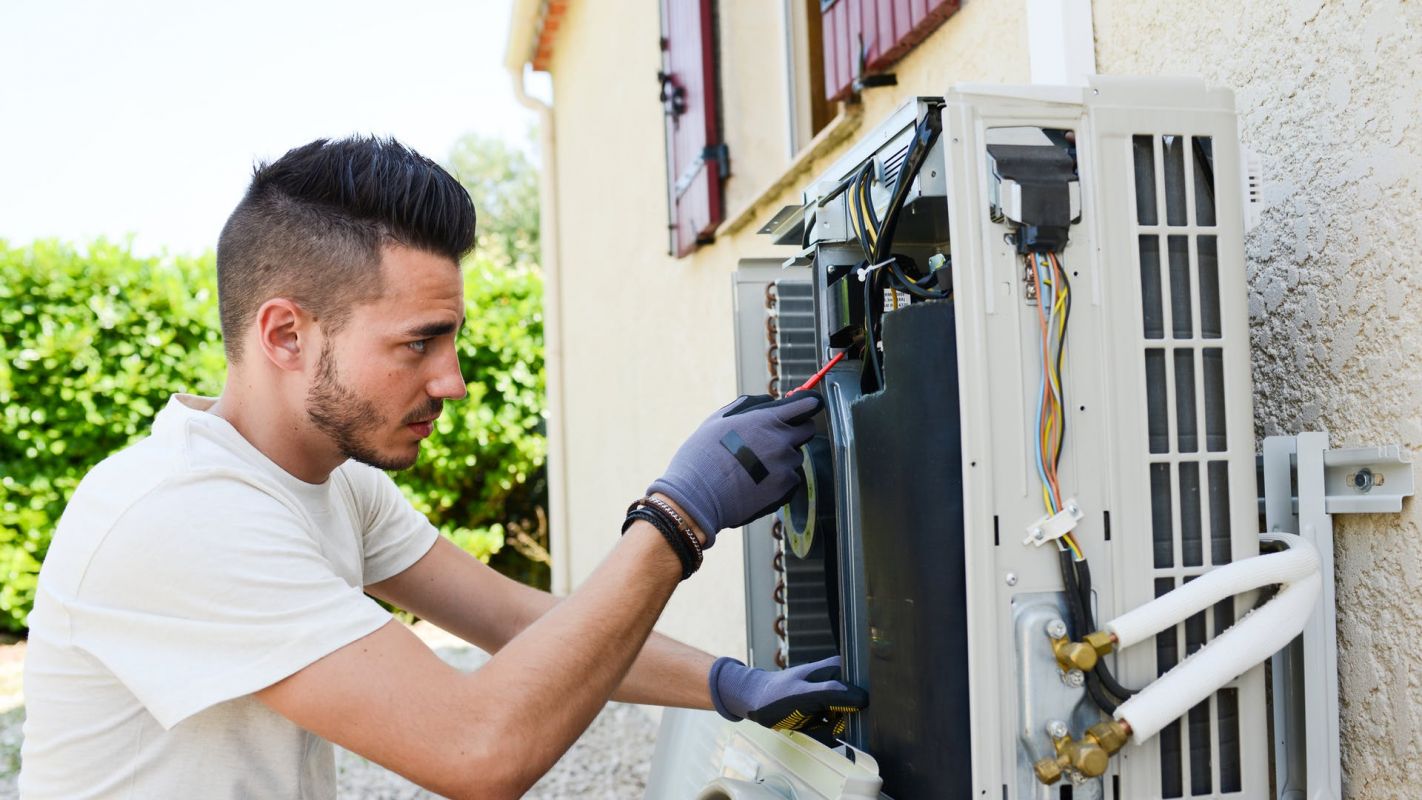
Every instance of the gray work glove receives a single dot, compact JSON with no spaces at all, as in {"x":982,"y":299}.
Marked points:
{"x":809,"y":697}
{"x":742,"y":463}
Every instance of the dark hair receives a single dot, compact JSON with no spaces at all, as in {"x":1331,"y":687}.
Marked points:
{"x":313,"y":222}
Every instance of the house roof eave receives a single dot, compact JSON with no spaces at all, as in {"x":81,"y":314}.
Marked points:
{"x":533,"y":29}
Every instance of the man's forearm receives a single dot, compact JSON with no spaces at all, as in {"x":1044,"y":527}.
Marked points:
{"x":667,"y":673}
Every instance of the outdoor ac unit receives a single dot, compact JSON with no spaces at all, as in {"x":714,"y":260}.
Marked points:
{"x":1060,"y":258}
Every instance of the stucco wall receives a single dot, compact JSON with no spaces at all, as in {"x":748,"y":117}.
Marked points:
{"x":1329,"y":96}
{"x":648,"y":343}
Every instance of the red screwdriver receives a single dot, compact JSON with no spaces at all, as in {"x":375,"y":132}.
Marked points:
{"x":818,"y":376}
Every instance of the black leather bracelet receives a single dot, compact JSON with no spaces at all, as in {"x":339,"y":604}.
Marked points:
{"x":659,"y":520}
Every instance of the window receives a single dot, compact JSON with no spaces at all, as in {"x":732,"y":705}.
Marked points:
{"x":867,"y":36}
{"x":810,"y":109}
{"x":697,"y":159}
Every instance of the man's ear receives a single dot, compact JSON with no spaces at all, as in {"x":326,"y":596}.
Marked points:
{"x":284,"y":331}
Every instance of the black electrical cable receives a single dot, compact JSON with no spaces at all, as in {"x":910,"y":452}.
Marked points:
{"x":1075,"y":608}
{"x":913,"y":287}
{"x":924,"y":136}
{"x":1098,"y":694}
{"x":868,"y":173}
{"x":871,"y":350}
{"x":1078,"y":607}
{"x":1108,"y":680}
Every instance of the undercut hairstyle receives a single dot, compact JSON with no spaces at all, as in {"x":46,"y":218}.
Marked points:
{"x":312,"y":225}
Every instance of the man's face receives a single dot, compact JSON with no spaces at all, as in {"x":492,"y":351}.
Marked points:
{"x":382,"y":379}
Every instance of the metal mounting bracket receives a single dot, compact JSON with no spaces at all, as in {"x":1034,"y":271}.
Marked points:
{"x":1303,"y":483}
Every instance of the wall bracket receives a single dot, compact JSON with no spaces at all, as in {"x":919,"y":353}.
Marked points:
{"x":1303,"y":484}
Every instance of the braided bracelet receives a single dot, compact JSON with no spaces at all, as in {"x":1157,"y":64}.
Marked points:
{"x":682,"y":525}
{"x":690,"y":559}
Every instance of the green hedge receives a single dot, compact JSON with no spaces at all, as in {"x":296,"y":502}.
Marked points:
{"x":93,"y":340}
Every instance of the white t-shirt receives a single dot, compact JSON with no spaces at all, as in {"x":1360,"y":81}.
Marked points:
{"x":187,"y":572}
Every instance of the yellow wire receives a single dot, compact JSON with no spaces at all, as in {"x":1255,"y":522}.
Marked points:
{"x":864,"y":212}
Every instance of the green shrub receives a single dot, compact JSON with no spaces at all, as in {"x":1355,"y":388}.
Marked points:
{"x":481,"y":478}
{"x":93,"y":340}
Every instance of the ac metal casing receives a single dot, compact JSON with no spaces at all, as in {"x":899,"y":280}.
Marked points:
{"x":1159,"y":449}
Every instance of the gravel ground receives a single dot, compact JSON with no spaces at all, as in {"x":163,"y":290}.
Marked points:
{"x":611,"y":760}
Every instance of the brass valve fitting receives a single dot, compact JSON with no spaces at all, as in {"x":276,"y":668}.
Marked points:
{"x":1110,"y":734}
{"x":1082,"y":655}
{"x":1089,"y":757}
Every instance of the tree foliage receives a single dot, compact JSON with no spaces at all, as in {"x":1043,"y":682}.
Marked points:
{"x":504,"y":184}
{"x":481,"y":478}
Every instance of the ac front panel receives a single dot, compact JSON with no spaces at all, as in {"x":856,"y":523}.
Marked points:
{"x":1159,"y":415}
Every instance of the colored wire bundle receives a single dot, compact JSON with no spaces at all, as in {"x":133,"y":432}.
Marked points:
{"x":1053,"y":313}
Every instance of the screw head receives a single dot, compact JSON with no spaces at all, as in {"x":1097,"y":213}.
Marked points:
{"x":1073,"y":509}
{"x":1056,"y":729}
{"x":1362,"y":480}
{"x":1075,"y":678}
{"x":1010,"y":578}
{"x":1056,"y":629}
{"x":1038,"y":533}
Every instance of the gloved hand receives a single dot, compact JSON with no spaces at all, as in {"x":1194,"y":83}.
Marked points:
{"x":742,"y":463}
{"x":809,"y":697}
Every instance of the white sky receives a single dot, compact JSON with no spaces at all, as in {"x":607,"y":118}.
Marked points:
{"x":145,"y":118}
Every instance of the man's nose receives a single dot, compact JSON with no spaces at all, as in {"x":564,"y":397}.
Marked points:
{"x":448,"y":382}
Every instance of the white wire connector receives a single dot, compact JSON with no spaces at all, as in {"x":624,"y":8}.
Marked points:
{"x":1054,"y":527}
{"x":863,"y":272}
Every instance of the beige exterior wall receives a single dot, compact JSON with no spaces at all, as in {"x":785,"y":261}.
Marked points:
{"x":1329,"y":95}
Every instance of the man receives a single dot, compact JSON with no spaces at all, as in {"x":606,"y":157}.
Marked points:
{"x":202,"y":627}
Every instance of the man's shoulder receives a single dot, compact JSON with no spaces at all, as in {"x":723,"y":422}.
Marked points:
{"x":150,"y":485}
{"x":172,"y":462}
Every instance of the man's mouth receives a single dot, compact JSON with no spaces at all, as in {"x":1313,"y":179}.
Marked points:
{"x":424,"y":428}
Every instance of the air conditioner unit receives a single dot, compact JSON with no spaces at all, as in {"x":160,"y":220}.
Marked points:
{"x":1044,"y":422}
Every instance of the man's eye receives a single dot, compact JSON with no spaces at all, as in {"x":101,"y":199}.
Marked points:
{"x":419,"y":346}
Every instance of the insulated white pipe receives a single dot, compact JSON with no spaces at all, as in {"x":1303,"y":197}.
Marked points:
{"x":1250,"y":641}
{"x":1170,"y":609}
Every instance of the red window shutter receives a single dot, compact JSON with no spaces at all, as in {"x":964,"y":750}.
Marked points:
{"x":697,"y":160}
{"x":879,"y":32}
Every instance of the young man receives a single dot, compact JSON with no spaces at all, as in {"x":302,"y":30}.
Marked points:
{"x":202,"y":626}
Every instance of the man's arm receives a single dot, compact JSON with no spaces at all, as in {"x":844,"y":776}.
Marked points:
{"x":491,"y":733}
{"x":466,"y":597}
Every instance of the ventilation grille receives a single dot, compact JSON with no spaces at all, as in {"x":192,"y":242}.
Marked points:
{"x":892,"y":164}
{"x":1183,"y":347}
